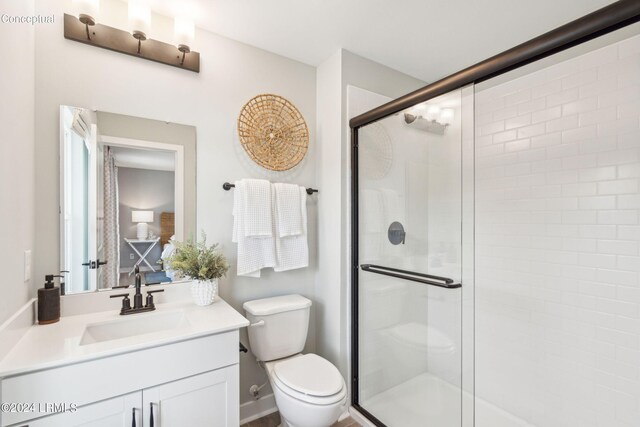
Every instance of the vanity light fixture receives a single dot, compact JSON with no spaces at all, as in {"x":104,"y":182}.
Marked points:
{"x":87,"y":13}
{"x":180,"y":55}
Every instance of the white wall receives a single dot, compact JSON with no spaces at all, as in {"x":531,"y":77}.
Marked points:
{"x":558,"y":241}
{"x":16,"y":157}
{"x":333,"y":164}
{"x":71,"y":73}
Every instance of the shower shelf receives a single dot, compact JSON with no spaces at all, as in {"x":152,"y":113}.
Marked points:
{"x":427,"y":279}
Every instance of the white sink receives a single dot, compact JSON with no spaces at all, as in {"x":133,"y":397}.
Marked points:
{"x":132,"y":325}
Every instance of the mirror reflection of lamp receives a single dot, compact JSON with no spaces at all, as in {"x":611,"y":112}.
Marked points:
{"x":142,"y":218}
{"x":139,"y":20}
{"x":184,"y":31}
{"x":87,"y":13}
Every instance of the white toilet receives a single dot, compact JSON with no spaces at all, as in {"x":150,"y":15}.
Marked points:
{"x":309,"y":390}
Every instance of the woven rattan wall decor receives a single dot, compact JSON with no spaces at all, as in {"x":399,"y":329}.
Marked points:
{"x":273,"y":132}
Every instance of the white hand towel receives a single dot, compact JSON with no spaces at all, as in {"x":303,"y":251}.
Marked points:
{"x":254,"y":253}
{"x":293,"y":251}
{"x":257,"y":207}
{"x":287,"y":199}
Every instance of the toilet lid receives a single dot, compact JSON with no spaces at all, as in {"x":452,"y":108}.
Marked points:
{"x":310,"y":374}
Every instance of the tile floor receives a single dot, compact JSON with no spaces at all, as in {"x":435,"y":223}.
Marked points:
{"x":273,"y":420}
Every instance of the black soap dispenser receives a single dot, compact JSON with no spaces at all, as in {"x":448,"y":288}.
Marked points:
{"x":49,"y":301}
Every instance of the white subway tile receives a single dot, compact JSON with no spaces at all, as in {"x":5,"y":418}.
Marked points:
{"x":517,"y":97}
{"x":501,"y":137}
{"x":629,"y":47}
{"x":579,"y":245}
{"x":597,"y":174}
{"x":629,"y":201}
{"x":598,"y":145}
{"x":597,"y":202}
{"x":619,"y":247}
{"x":519,"y":145}
{"x":619,"y":186}
{"x":629,"y":171}
{"x":580,"y":79}
{"x":562,"y":97}
{"x":617,"y":277}
{"x":505,"y":113}
{"x":598,"y":260}
{"x":531,"y":106}
{"x":629,"y":232}
{"x":563,"y":150}
{"x":598,"y":116}
{"x":602,"y":86}
{"x":618,"y":217}
{"x":582,"y":105}
{"x":598,"y":231}
{"x":562,"y":123}
{"x":516,"y":122}
{"x":619,"y":157}
{"x":546,"y":140}
{"x":580,"y":134}
{"x":630,"y":263}
{"x":532,"y":130}
{"x":628,"y":140}
{"x":491,"y":128}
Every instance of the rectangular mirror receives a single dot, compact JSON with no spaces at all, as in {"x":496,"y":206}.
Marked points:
{"x":127,"y":193}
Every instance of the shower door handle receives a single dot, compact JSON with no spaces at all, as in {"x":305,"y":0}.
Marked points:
{"x":427,"y":279}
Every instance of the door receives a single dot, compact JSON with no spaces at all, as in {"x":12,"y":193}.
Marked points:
{"x":407,"y":266}
{"x":92,"y":206}
{"x":204,"y":400}
{"x":124,"y":411}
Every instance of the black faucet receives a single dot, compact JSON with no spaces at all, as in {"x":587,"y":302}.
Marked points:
{"x":137,"y":298}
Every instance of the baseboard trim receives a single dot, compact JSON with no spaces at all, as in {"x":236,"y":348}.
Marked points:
{"x":255,"y":409}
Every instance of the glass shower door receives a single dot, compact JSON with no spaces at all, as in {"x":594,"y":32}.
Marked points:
{"x":409,"y":250}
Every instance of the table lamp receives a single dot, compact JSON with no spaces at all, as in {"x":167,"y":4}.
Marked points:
{"x":142,"y":218}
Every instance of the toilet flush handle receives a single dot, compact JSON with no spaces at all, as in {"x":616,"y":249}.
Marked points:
{"x":258,"y":323}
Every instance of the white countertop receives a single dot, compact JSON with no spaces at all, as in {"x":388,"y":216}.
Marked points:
{"x":58,"y":344}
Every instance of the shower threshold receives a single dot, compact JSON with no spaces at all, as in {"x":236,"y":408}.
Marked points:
{"x":430,"y":401}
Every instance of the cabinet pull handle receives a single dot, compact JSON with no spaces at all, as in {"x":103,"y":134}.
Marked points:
{"x":133,"y":417}
{"x":151,"y":414}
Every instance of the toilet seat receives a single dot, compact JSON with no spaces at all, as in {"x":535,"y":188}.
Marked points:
{"x":309,"y":378}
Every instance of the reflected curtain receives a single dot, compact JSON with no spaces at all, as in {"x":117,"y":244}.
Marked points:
{"x":111,"y":221}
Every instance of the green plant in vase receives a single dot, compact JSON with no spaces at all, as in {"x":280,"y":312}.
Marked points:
{"x":203,"y":264}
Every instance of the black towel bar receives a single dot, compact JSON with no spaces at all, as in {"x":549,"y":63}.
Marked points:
{"x":228,"y":186}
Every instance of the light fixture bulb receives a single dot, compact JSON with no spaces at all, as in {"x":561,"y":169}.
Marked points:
{"x":446,"y":116}
{"x":433,"y":112}
{"x":139,"y":19}
{"x":87,"y":10}
{"x":184,"y":30}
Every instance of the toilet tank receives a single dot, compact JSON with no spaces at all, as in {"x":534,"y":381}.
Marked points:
{"x":278,"y":327}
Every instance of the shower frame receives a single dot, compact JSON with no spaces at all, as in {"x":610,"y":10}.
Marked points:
{"x":598,"y":23}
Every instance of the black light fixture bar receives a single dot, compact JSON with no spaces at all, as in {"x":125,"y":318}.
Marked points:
{"x":123,"y":42}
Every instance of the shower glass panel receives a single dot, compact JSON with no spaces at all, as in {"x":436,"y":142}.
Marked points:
{"x":410,"y":266}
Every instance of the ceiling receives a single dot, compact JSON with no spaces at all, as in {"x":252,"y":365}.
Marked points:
{"x":143,"y":158}
{"x":427,"y":39}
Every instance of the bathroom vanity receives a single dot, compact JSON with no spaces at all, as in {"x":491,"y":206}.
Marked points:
{"x":175,"y":366}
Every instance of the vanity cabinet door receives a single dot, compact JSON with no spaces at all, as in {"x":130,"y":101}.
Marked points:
{"x":114,"y":412}
{"x":204,"y":400}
